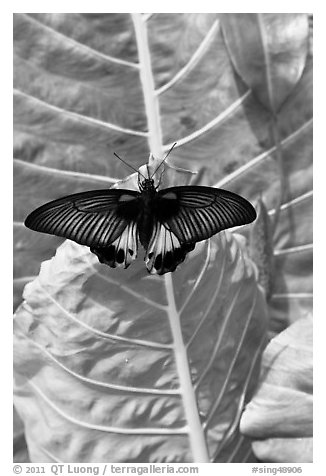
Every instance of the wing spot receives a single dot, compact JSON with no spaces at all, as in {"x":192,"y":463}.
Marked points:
{"x":170,"y":196}
{"x":168,"y":260}
{"x":120,"y":256}
{"x":110,"y":253}
{"x":126,"y":198}
{"x":158,"y":262}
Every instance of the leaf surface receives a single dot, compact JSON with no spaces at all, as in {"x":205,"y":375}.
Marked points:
{"x":128,"y":367}
{"x":87,"y":85}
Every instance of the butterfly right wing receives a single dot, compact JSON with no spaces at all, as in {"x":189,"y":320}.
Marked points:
{"x":104,"y":220}
{"x":195,"y":213}
{"x":189,"y":214}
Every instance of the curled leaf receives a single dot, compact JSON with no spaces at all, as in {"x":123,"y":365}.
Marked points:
{"x":269,"y":52}
{"x":120,"y":365}
{"x":284,"y":450}
{"x":261,"y":247}
{"x":282,"y":404}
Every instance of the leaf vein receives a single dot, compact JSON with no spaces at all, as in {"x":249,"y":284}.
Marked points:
{"x":233,"y":362}
{"x":100,"y":333}
{"x":85,"y":48}
{"x":294,"y":249}
{"x":71,"y":173}
{"x":266,"y":154}
{"x":122,"y":388}
{"x":216,"y":121}
{"x":219,"y":341}
{"x":134,"y":293}
{"x":281,"y":296}
{"x":229,"y":433}
{"x":80,"y":118}
{"x":199,"y":278}
{"x":196,"y":57}
{"x":106,"y":429}
{"x":210,"y":304}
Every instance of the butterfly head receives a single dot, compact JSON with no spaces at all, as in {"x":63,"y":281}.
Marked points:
{"x":146,"y":185}
{"x":148,"y":179}
{"x":146,"y":182}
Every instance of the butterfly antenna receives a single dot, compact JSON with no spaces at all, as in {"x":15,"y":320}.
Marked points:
{"x":126,"y":163}
{"x":163,"y":160}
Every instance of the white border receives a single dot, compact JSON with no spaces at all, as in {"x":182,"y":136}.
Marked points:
{"x":319,"y":214}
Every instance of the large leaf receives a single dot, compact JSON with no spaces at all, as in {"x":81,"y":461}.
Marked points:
{"x":90,"y":84}
{"x":119,"y":365}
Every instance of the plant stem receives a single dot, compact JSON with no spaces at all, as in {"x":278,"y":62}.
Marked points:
{"x":196,"y":432}
{"x":150,"y":98}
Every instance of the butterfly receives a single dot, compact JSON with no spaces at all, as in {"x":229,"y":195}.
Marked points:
{"x":167,"y":222}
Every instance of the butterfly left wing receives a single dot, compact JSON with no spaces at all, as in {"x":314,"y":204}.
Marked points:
{"x":189,"y":214}
{"x":165,"y":251}
{"x":104,"y":220}
{"x":122,"y":251}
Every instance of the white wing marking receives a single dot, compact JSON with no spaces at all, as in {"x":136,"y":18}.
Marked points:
{"x":165,"y":251}
{"x":122,"y":251}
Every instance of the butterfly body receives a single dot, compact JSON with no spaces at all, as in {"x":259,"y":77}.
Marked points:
{"x":147,"y":211}
{"x":167,"y":222}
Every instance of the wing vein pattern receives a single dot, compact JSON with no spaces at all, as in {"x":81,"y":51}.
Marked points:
{"x":96,"y":218}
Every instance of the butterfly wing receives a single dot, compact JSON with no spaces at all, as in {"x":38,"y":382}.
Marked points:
{"x":104,"y":220}
{"x":196,"y":213}
{"x":187,"y":215}
{"x":122,"y":251}
{"x":165,"y":251}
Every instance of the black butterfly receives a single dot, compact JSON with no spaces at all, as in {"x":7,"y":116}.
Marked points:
{"x":168,"y":222}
